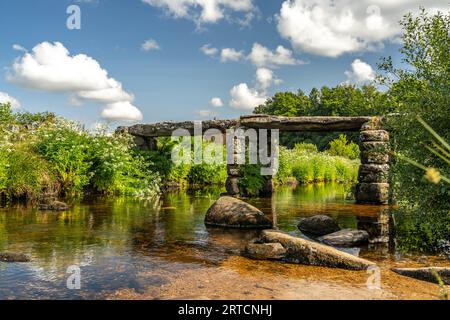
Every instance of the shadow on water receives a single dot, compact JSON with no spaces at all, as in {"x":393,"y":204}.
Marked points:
{"x":116,"y":241}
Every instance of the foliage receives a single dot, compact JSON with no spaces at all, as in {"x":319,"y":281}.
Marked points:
{"x":421,"y":89}
{"x":343,"y":148}
{"x":41,"y":152}
{"x":307,"y":165}
{"x":342,"y":100}
{"x":252,"y":181}
{"x":205,"y":174}
{"x":185,"y":173}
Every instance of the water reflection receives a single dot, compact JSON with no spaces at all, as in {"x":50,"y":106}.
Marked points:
{"x":116,"y":240}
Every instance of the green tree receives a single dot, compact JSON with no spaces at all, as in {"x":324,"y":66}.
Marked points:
{"x":421,"y":89}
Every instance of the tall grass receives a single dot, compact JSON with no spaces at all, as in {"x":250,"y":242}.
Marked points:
{"x":305,"y":164}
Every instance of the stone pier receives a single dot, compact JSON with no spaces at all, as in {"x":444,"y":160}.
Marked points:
{"x":373,"y":180}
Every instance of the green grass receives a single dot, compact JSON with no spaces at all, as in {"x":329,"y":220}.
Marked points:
{"x":306,"y":165}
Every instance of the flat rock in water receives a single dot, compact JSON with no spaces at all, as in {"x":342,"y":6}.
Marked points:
{"x":234,"y":213}
{"x":303,"y":251}
{"x":269,"y":251}
{"x":54,"y":206}
{"x":318,"y":225}
{"x":13,"y":257}
{"x":346,"y":238}
{"x":426,"y":274}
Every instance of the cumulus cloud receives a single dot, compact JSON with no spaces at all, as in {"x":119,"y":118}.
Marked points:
{"x":208,"y":50}
{"x":361,"y":72}
{"x":203,"y":11}
{"x":6,"y":98}
{"x":266,"y":78}
{"x":150,"y":45}
{"x":50,"y":67}
{"x":229,"y":54}
{"x":261,"y":56}
{"x":245,"y":98}
{"x":216,"y":102}
{"x":121,"y":111}
{"x":332,"y":28}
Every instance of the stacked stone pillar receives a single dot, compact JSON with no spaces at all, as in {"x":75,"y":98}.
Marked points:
{"x":234,"y":169}
{"x":373,"y":186}
{"x":235,"y":173}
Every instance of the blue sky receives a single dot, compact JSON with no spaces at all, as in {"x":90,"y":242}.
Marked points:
{"x":322,"y":44}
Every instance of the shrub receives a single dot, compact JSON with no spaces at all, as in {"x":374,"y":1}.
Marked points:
{"x":67,"y":147}
{"x":251,"y":181}
{"x":205,"y":174}
{"x":27,"y":174}
{"x":343,"y":148}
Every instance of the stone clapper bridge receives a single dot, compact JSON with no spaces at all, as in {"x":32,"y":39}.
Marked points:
{"x":373,"y":180}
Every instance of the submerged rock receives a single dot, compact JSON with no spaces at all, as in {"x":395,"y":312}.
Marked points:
{"x":54,"y":206}
{"x":318,"y":225}
{"x":269,"y":251}
{"x":346,"y":238}
{"x":234,"y":213}
{"x":426,"y":274}
{"x":303,"y":251}
{"x":13,"y":257}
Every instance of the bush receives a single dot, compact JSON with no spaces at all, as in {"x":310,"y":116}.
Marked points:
{"x":343,"y":148}
{"x":185,"y":173}
{"x":251,"y":181}
{"x":69,"y":151}
{"x":41,"y":151}
{"x":207,"y":174}
{"x":27,"y":174}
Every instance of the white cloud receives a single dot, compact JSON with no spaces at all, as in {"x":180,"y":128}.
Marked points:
{"x":208,"y":50}
{"x":18,"y":47}
{"x":216,"y":102}
{"x":6,"y":98}
{"x":121,"y":111}
{"x":245,"y":98}
{"x":229,"y":54}
{"x":203,"y":11}
{"x":332,"y":28}
{"x":261,"y":56}
{"x":361,"y":72}
{"x":150,"y":45}
{"x":266,"y":78}
{"x":50,"y":67}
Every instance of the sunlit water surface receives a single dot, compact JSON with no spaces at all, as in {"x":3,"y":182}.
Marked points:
{"x":128,"y":248}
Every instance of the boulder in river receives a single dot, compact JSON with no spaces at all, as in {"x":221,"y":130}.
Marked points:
{"x":426,"y":274}
{"x":54,"y":206}
{"x":234,"y":213}
{"x":346,"y":238}
{"x":265,"y":251}
{"x":318,"y":225}
{"x":307,"y":252}
{"x":13,"y":257}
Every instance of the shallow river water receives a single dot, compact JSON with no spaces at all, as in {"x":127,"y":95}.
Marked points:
{"x":135,"y":249}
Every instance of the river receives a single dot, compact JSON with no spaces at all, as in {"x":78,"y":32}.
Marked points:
{"x":160,"y":249}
